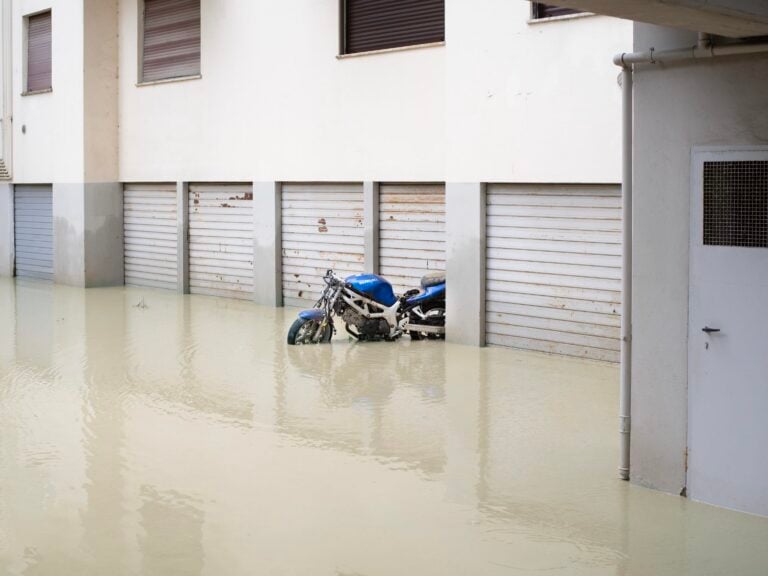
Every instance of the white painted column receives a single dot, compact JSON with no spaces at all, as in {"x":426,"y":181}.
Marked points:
{"x":267,"y":244}
{"x":465,"y":262}
{"x":6,"y":230}
{"x":182,"y":237}
{"x":371,"y":224}
{"x":103,"y":234}
{"x":69,"y":234}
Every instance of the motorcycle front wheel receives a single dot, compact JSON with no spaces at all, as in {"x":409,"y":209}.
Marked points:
{"x":303,"y":332}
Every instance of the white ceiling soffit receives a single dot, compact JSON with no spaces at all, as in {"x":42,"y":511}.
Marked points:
{"x":733,"y":18}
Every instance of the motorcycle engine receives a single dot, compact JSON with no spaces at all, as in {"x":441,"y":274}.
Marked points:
{"x":367,"y":328}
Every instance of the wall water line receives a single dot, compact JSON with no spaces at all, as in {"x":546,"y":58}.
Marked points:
{"x":705,"y":49}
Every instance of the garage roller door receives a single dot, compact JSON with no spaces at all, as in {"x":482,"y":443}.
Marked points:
{"x":150,"y":231}
{"x":411,"y":233}
{"x":33,"y":231}
{"x":322,"y":228}
{"x":221,"y":240}
{"x":554,"y":269}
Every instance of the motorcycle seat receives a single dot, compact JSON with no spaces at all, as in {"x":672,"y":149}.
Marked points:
{"x":432,"y":279}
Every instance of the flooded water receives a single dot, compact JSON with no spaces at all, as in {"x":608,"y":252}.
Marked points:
{"x":145,"y":433}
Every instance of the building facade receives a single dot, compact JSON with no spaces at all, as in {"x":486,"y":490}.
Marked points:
{"x":240,"y":149}
{"x":699,"y":185}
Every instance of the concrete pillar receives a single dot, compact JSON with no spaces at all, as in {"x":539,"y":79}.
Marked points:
{"x":6,"y":230}
{"x":465,"y":262}
{"x":103,"y":240}
{"x":69,"y":234}
{"x":371,"y":224}
{"x":88,"y":234}
{"x":182,"y":236}
{"x":267,"y":244}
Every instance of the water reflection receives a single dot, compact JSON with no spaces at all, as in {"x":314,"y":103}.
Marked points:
{"x":372,"y":399}
{"x":146,"y":433}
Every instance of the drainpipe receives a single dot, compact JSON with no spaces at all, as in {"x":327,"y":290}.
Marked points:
{"x":625,"y":389}
{"x":704,"y":49}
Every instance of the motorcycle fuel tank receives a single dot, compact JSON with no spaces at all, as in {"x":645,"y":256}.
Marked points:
{"x":374,"y":287}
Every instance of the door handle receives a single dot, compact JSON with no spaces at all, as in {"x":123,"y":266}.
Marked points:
{"x":709,"y":330}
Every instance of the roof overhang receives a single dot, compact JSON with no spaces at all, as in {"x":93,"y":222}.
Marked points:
{"x":732,"y":18}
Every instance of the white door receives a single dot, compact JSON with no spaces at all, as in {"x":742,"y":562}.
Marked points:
{"x":322,"y":228}
{"x":553,"y":280}
{"x":411,"y":233}
{"x":150,"y":235}
{"x":728,"y":368}
{"x":221,"y":240}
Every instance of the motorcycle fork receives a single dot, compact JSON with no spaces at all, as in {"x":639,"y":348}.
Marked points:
{"x":321,"y":329}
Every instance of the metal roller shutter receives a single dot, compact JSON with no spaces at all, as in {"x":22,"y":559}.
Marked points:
{"x":554,"y":269}
{"x":171,"y":38}
{"x":322,"y":228}
{"x":151,"y":235}
{"x":221,"y":240}
{"x":33,"y":231}
{"x":39,"y":50}
{"x":381,"y":24}
{"x":411,"y":232}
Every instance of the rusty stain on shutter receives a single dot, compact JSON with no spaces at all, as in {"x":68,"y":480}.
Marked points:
{"x":411,"y":232}
{"x":39,"y":52}
{"x":322,"y":228}
{"x":171,"y":39}
{"x":381,"y":24}
{"x":221,"y":240}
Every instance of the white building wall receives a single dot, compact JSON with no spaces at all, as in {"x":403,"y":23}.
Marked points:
{"x":714,"y":103}
{"x":503,"y":100}
{"x":531,"y":102}
{"x":48,"y":128}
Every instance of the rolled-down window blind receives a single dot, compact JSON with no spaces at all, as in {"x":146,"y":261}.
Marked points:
{"x":541,"y":10}
{"x":171,"y":39}
{"x":379,"y":24}
{"x":39,"y":52}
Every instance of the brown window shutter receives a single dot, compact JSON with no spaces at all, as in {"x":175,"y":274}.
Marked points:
{"x":39,"y":52}
{"x":379,"y":24}
{"x":171,"y":39}
{"x":541,"y":10}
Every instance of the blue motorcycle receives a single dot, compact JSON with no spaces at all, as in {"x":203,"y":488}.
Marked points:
{"x":370,"y":310}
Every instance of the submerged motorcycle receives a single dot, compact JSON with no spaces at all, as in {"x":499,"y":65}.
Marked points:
{"x":371,"y":310}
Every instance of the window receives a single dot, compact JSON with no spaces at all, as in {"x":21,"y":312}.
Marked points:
{"x":380,"y":24}
{"x":170,"y":39}
{"x":736,"y":204}
{"x":38,"y":66}
{"x":541,"y":10}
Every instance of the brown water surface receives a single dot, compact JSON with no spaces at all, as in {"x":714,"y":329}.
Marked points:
{"x":146,"y":433}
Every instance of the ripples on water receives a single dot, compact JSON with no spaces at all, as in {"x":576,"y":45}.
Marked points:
{"x":185,"y":437}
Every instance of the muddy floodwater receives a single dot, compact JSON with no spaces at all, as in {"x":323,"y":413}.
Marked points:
{"x":145,"y":433}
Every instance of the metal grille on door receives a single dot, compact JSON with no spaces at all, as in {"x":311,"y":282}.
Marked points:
{"x":150,"y":235}
{"x":322,"y":228}
{"x":221,"y":240}
{"x":411,"y":232}
{"x":554,"y":269}
{"x":33,"y":231}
